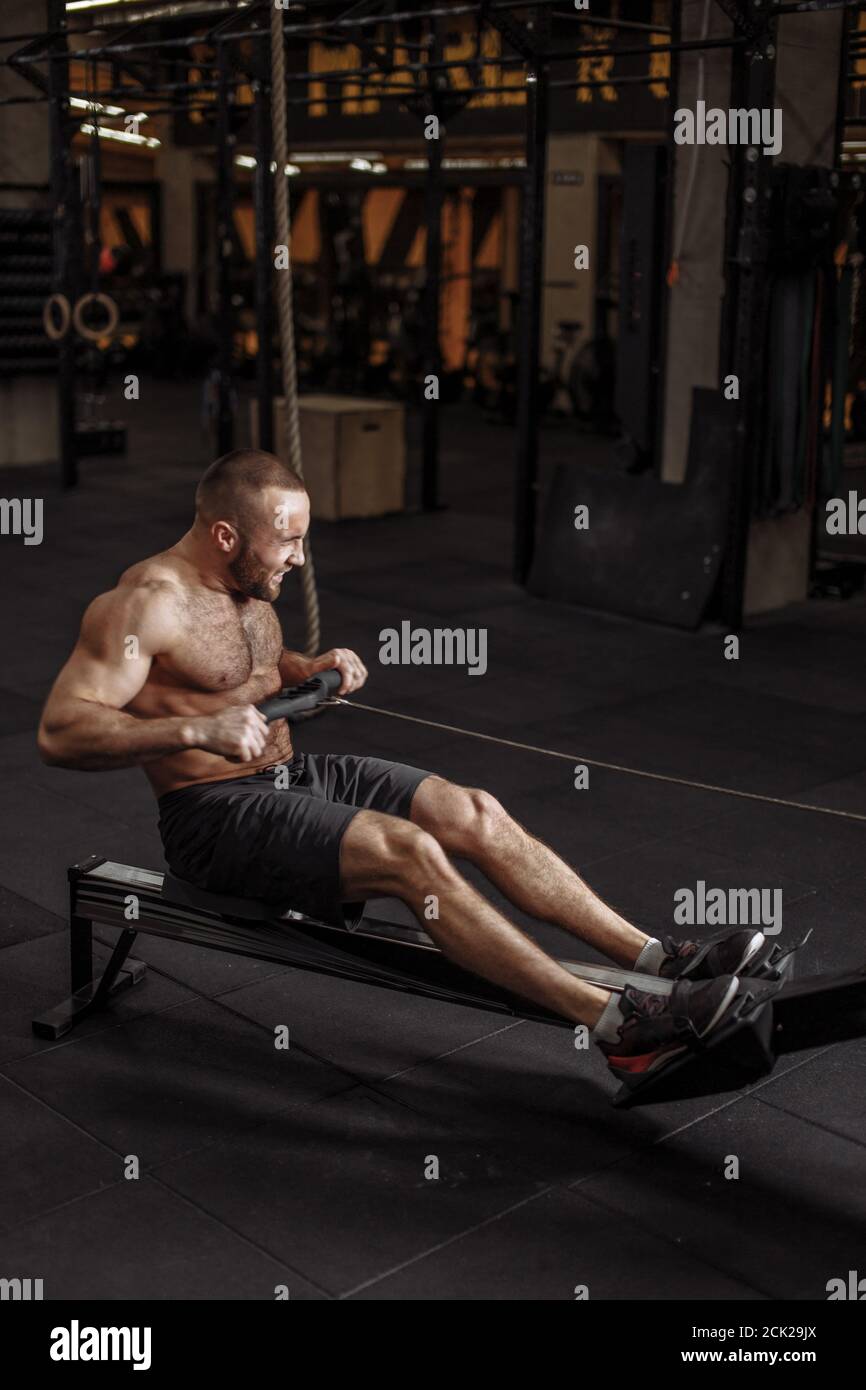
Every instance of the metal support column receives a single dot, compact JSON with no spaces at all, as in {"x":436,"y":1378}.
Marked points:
{"x":225,"y":244}
{"x":80,"y":952}
{"x":743,"y":337}
{"x":843,"y":89}
{"x":529,"y":323}
{"x":65,"y":202}
{"x":91,"y":167}
{"x":80,"y":932}
{"x":433,"y":270}
{"x":263,"y":193}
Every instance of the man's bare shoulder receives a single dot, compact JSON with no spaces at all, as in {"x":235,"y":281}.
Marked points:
{"x":150,"y":600}
{"x":166,"y":574}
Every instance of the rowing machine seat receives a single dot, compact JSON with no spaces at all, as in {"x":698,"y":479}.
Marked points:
{"x":177,"y":890}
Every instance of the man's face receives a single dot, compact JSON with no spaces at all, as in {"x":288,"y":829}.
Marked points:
{"x":274,"y":547}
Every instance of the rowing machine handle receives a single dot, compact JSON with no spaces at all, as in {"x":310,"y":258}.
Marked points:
{"x":299,"y":698}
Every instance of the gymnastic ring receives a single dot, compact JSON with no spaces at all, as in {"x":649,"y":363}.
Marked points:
{"x":53,"y":330}
{"x":94,"y":335}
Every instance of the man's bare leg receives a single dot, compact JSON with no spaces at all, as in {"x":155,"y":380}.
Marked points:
{"x":388,"y":856}
{"x":471,"y":823}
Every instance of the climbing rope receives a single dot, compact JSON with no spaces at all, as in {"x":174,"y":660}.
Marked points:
{"x":285,"y":312}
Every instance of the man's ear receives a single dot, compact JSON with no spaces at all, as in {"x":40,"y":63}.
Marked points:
{"x":225,"y":536}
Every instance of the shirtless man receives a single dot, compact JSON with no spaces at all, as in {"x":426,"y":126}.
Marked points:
{"x":166,"y":674}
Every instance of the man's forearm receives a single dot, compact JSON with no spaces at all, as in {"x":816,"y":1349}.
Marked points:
{"x":295,"y":668}
{"x":105,"y":739}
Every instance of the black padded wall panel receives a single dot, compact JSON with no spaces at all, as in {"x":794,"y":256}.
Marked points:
{"x":652,"y":549}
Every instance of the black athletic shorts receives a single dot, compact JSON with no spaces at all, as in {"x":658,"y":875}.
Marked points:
{"x":250,"y":838}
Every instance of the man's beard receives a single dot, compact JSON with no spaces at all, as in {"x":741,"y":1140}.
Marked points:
{"x":251,"y":577}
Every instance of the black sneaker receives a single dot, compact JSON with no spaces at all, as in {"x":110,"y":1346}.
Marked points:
{"x":726,"y":953}
{"x":656,"y":1028}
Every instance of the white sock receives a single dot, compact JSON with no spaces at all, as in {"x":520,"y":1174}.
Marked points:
{"x":651,"y":958}
{"x":608,"y":1026}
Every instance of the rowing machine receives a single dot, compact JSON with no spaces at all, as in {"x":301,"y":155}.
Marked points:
{"x":771,"y":1015}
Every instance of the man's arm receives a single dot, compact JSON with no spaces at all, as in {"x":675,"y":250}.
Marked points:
{"x":84,"y":726}
{"x":295,"y":668}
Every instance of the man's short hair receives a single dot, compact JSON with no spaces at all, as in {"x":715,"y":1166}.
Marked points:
{"x":232,"y":487}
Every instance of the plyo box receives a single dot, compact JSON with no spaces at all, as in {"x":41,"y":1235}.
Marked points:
{"x":353,"y":452}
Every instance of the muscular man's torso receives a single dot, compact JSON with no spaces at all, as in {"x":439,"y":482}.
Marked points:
{"x":227,"y":653}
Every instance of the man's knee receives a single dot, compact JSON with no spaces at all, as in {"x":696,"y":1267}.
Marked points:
{"x":474,"y":819}
{"x":412,"y":856}
{"x":391,"y":854}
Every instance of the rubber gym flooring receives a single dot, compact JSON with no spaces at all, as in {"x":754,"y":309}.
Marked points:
{"x":307,"y":1168}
